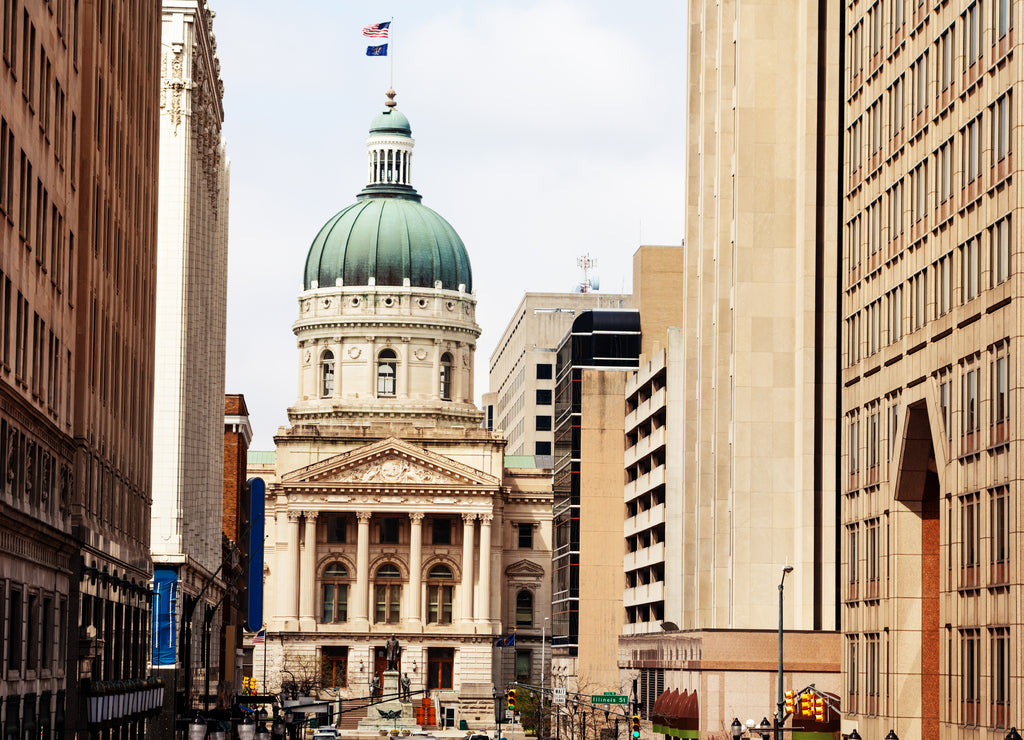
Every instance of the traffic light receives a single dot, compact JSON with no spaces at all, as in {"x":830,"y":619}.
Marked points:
{"x":790,"y":701}
{"x":806,"y":705}
{"x":511,"y":696}
{"x":635,"y":722}
{"x":819,"y":709}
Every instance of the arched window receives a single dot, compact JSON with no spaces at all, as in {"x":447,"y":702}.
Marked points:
{"x":439,"y":595}
{"x":334,"y":589}
{"x":387,"y":373}
{"x":387,"y":594}
{"x":327,"y":374}
{"x":446,"y":377}
{"x":524,"y":609}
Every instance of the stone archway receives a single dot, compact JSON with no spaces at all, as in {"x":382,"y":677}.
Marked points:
{"x":914,"y":555}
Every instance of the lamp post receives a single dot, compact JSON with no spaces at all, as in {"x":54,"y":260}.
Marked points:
{"x":765,"y":729}
{"x":780,"y":715}
{"x":736,"y":728}
{"x":540,"y":706}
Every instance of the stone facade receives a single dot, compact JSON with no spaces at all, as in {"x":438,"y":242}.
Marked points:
{"x":191,"y":310}
{"x":931,"y":293}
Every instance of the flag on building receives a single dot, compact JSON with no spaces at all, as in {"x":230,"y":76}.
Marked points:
{"x":507,"y":641}
{"x":377,"y":51}
{"x":259,"y":637}
{"x":377,"y":30}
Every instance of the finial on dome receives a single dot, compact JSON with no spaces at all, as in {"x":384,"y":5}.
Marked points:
{"x":391,"y":99}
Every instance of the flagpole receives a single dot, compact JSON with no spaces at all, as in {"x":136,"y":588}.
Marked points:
{"x":391,"y":81}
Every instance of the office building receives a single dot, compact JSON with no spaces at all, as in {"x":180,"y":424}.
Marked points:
{"x":522,"y":367}
{"x":731,"y":464}
{"x":930,"y":296}
{"x":188,"y":410}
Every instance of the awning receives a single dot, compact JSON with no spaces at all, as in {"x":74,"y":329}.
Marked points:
{"x":677,"y":714}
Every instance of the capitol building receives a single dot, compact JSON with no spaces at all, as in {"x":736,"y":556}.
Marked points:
{"x":390,"y":510}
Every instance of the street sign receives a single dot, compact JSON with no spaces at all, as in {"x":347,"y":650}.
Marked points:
{"x":608,"y":698}
{"x":510,"y":715}
{"x":558,"y":695}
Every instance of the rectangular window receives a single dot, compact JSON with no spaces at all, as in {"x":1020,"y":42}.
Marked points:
{"x":944,"y":54}
{"x":389,"y":530}
{"x":853,"y":249}
{"x":970,"y":539}
{"x":896,"y":107}
{"x":874,"y":214}
{"x":856,"y":50}
{"x":852,"y":561}
{"x":853,"y":447}
{"x":919,"y":73}
{"x":543,"y":397}
{"x":441,"y":531}
{"x":874,"y":326}
{"x":971,"y":411}
{"x":872,"y":561}
{"x":15,"y":630}
{"x":972,"y":34}
{"x":970,"y":269}
{"x":999,"y":515}
{"x":524,"y":533}
{"x":894,"y":420}
{"x":919,"y":191}
{"x":544,"y":371}
{"x":853,"y":337}
{"x":1002,"y":19}
{"x":999,"y":248}
{"x":895,"y":324}
{"x":942,"y":269}
{"x":999,"y":648}
{"x":336,"y":526}
{"x":971,"y":134}
{"x":872,"y":673}
{"x":896,"y":210}
{"x":523,"y":666}
{"x":439,"y":604}
{"x":874,"y":440}
{"x":543,"y":424}
{"x":388,"y":600}
{"x":918,"y":300}
{"x":970,"y":672}
{"x":1001,"y":122}
{"x":946,"y":408}
{"x":944,"y":172}
{"x":1000,"y":399}
{"x":855,"y":144}
{"x":852,"y":672}
{"x":542,"y":448}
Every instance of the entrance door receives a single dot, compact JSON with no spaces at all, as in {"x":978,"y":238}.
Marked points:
{"x":380,"y":664}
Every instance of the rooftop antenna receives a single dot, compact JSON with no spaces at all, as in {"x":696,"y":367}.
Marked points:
{"x":589,"y":282}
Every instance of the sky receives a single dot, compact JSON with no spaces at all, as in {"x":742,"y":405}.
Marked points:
{"x":544,"y":129}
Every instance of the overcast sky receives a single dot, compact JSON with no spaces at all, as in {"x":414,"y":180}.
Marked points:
{"x":544,"y":130}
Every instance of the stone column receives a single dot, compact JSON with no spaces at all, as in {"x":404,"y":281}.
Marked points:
{"x":288,"y":590}
{"x":405,"y":365}
{"x":467,"y":566}
{"x":372,"y":360}
{"x":307,"y":575}
{"x":458,"y":386}
{"x":338,"y":347}
{"x":483,"y":604}
{"x":415,"y":566}
{"x":438,"y":351}
{"x":360,"y":606}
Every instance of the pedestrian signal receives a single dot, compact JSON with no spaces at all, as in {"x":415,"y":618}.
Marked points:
{"x":636,"y":727}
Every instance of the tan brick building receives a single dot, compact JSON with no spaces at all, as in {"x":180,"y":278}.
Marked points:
{"x":931,"y":292}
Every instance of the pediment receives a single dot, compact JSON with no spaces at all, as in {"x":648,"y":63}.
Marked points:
{"x":390,"y":462}
{"x":524,"y":569}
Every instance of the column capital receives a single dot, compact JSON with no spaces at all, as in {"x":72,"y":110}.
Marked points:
{"x":311,"y":515}
{"x":468,"y":518}
{"x":363,"y":516}
{"x":293,"y":516}
{"x":416,"y":516}
{"x":486,"y":518}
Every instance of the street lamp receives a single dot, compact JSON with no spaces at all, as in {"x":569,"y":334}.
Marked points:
{"x":853,"y":735}
{"x":780,"y":716}
{"x":892,"y":735}
{"x":1013,"y":734}
{"x":765,"y":728}
{"x":736,"y":728}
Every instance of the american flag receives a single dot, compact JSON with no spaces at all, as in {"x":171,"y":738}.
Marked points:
{"x":259,"y":637}
{"x":377,"y":30}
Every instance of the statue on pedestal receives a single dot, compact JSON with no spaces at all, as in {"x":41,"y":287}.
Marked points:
{"x":392,"y":651}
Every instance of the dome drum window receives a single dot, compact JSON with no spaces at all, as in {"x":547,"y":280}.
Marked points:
{"x":326,"y":374}
{"x":446,"y":377}
{"x":387,"y":373}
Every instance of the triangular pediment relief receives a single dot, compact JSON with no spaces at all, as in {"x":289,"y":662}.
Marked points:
{"x":390,"y":462}
{"x":524,"y":569}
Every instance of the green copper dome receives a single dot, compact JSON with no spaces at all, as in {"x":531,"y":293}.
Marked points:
{"x":387,"y":236}
{"x":388,"y":239}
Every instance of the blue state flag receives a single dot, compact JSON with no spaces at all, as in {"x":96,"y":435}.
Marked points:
{"x":509,"y":641}
{"x":377,"y":51}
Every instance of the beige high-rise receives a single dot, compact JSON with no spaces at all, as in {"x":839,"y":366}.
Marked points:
{"x":731,"y":424}
{"x":930,"y":306}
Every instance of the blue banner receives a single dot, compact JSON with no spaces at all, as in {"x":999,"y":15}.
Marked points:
{"x":257,"y":520}
{"x":165,"y":615}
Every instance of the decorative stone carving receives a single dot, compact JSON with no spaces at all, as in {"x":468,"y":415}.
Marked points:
{"x":416,"y":516}
{"x":468,"y":518}
{"x":363,"y":516}
{"x":327,"y":303}
{"x":486,"y":518}
{"x":391,"y":470}
{"x":354,"y":352}
{"x":420,"y":353}
{"x":307,"y":356}
{"x":293,"y":516}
